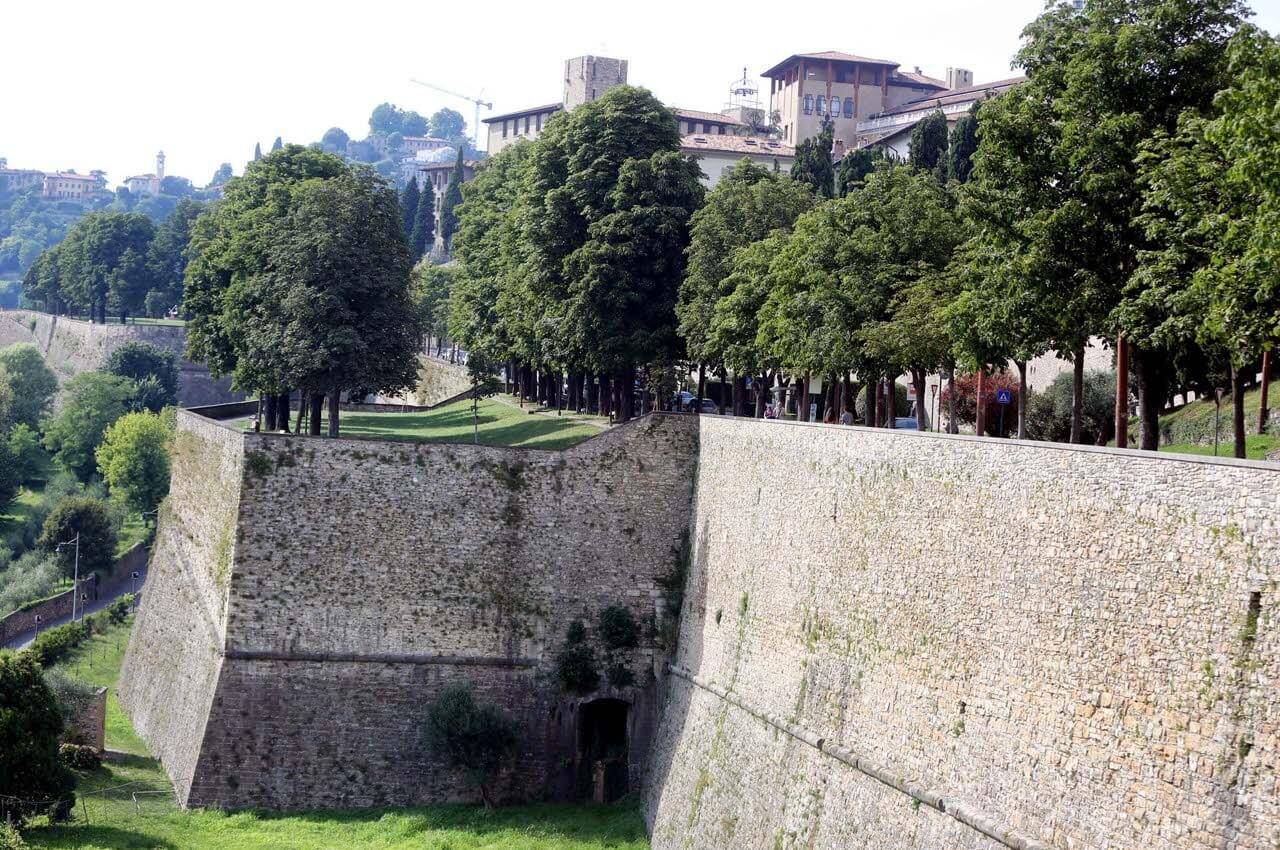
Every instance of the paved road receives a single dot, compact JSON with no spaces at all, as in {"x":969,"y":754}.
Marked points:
{"x":19,"y":641}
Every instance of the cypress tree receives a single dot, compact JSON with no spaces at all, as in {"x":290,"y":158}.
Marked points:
{"x":424,"y":223}
{"x":964,"y":144}
{"x":929,"y":144}
{"x":257,"y":151}
{"x":409,"y":207}
{"x":813,"y":162}
{"x":452,"y":197}
{"x":277,"y":144}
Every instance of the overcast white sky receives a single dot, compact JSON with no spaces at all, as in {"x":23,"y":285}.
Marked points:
{"x":86,"y":84}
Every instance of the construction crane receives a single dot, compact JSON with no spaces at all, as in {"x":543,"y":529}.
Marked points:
{"x":477,"y":100}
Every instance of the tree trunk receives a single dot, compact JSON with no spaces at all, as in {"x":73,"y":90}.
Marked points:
{"x":282,"y":412}
{"x":890,"y":403}
{"x":953,"y":427}
{"x":1263,"y":412}
{"x":1022,"y":398}
{"x":1077,"y":395}
{"x":872,"y":412}
{"x":313,"y":421}
{"x":762,"y":394}
{"x":1121,"y":417}
{"x":702,"y":388}
{"x":804,"y":396}
{"x":334,"y":397}
{"x":846,"y":394}
{"x":606,"y":396}
{"x":922,"y":410}
{"x":273,"y":401}
{"x":1151,"y":392}
{"x":724,"y":378}
{"x":1237,"y":410}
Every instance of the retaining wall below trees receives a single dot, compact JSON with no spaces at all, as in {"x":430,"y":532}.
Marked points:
{"x":309,"y":597}
{"x":902,"y":640}
{"x":72,"y":346}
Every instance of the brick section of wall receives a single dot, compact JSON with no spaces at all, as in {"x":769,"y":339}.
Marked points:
{"x":1054,"y":642}
{"x":73,"y":346}
{"x":364,"y":577}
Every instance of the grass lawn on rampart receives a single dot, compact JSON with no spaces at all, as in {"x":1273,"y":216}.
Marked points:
{"x":499,"y":425}
{"x":116,"y":821}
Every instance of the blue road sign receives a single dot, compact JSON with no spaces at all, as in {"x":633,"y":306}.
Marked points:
{"x":1004,"y":397}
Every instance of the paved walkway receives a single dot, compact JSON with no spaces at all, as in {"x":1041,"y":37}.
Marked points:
{"x":24,"y":639}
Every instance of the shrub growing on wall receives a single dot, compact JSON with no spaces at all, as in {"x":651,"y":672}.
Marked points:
{"x":618,"y":628}
{"x":576,"y":663}
{"x":476,"y":737}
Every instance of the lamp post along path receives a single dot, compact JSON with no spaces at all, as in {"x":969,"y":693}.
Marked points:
{"x":75,"y":581}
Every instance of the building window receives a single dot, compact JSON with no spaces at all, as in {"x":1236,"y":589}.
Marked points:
{"x":504,"y":128}
{"x":526,"y":132}
{"x":822,"y":104}
{"x":808,"y":104}
{"x":848,"y":107}
{"x":539,"y":122}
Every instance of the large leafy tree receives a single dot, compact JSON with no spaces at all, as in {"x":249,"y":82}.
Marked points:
{"x":1212,"y":198}
{"x":167,"y":253}
{"x":134,"y":460}
{"x":747,"y":205}
{"x":93,"y":401}
{"x":33,"y":383}
{"x":962,"y":145}
{"x":855,"y":166}
{"x":103,"y":264}
{"x":422,"y":235}
{"x":300,"y":279}
{"x":409,"y":207}
{"x":89,"y":518}
{"x":1058,"y":192}
{"x":30,"y":772}
{"x":142,"y":363}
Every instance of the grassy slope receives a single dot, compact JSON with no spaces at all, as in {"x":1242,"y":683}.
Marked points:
{"x":156,"y":822}
{"x":1192,"y":424}
{"x":499,"y":425}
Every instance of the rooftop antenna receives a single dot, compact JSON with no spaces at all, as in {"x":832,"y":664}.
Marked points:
{"x":478,"y":100}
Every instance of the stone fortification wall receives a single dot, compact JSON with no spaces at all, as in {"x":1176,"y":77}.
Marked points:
{"x":365,"y":576}
{"x":73,"y":346}
{"x":174,"y":656}
{"x":438,"y":381}
{"x":900,"y":640}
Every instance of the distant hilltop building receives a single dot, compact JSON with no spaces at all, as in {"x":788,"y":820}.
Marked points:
{"x":67,"y":185}
{"x":719,"y":139}
{"x":147,"y":184}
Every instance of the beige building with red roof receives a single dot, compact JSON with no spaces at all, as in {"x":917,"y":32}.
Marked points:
{"x":718,"y":154}
{"x":807,"y":89}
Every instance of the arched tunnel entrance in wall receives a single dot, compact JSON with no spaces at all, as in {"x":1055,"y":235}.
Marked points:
{"x":602,"y":750}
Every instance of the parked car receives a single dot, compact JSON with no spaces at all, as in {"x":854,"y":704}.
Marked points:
{"x":682,"y":400}
{"x":907,"y":423}
{"x":709,"y":406}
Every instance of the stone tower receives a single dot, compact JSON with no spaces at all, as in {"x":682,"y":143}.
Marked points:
{"x":588,"y":77}
{"x":160,"y":165}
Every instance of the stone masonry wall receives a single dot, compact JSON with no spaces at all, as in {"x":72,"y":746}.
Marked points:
{"x":73,"y":346}
{"x":438,"y":381}
{"x":899,"y":640}
{"x":365,"y":576}
{"x":174,"y":658}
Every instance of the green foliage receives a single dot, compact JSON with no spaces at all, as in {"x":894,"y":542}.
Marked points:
{"x":962,"y":146}
{"x":618,"y":629}
{"x":576,"y":663}
{"x":142,"y":363}
{"x":929,"y":144}
{"x":452,"y":198}
{"x":54,"y":644}
{"x":409,"y":207}
{"x":1049,"y":412}
{"x":93,"y":401}
{"x":167,"y":257}
{"x":477,"y":737}
{"x":101,"y":265}
{"x":31,"y":776}
{"x":32,"y":381}
{"x":89,"y":518}
{"x":748,"y":204}
{"x":316,"y":249}
{"x":10,"y":838}
{"x":22,"y":448}
{"x":856,"y":165}
{"x":812,"y":165}
{"x":79,"y":757}
{"x":134,"y":460}
{"x":422,"y":237}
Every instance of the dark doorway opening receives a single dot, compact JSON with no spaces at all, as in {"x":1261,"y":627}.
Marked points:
{"x":602,"y":750}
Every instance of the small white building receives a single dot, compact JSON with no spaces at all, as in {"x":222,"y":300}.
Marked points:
{"x":147,"y":184}
{"x":719,"y":154}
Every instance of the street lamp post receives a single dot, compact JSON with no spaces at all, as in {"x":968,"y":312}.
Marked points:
{"x":75,"y":581}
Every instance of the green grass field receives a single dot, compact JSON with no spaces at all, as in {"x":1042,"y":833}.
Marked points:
{"x":115,"y":821}
{"x":499,"y":425}
{"x":1256,"y":447}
